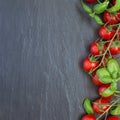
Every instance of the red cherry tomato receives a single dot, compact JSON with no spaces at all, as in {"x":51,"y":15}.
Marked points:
{"x":89,"y":64}
{"x":118,"y":15}
{"x":96,"y":80}
{"x":110,"y":18}
{"x":88,"y":117}
{"x":101,"y":105}
{"x":106,"y":33}
{"x":113,"y":2}
{"x":103,"y":88}
{"x":97,"y":48}
{"x":112,"y":118}
{"x":118,"y":35}
{"x":91,"y":1}
{"x":115,"y":48}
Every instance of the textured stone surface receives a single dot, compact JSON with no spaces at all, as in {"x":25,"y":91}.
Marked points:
{"x":42,"y":45}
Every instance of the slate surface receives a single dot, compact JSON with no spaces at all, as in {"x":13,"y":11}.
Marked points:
{"x":42,"y":45}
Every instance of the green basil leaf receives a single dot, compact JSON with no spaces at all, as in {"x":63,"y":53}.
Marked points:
{"x":113,"y":67}
{"x":116,"y":110}
{"x":102,"y":72}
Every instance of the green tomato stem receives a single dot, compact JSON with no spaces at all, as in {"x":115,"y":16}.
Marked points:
{"x":110,"y":54}
{"x":107,"y":48}
{"x":98,"y":1}
{"x":117,"y":95}
{"x":106,"y":115}
{"x":117,"y":91}
{"x":99,"y":55}
{"x":114,"y":25}
{"x":110,"y":44}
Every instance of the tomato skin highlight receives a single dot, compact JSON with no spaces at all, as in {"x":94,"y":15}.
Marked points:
{"x":105,"y":34}
{"x":97,"y":105}
{"x":96,"y":50}
{"x":91,"y":1}
{"x":88,"y":117}
{"x":103,"y":88}
{"x":89,"y":65}
{"x":115,"y":47}
{"x":115,"y":50}
{"x":110,"y":19}
{"x":112,"y":118}
{"x":96,"y":80}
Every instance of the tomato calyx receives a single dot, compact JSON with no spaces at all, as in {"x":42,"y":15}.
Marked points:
{"x":93,"y":59}
{"x":90,"y":63}
{"x":101,"y":46}
{"x":105,"y":71}
{"x":115,"y":44}
{"x":115,"y":47}
{"x":110,"y":18}
{"x":110,"y":29}
{"x":97,"y":48}
{"x":106,"y":32}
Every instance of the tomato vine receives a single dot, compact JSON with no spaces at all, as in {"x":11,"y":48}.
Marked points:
{"x":101,"y":65}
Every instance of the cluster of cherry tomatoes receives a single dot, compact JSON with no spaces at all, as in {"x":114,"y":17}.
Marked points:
{"x":101,"y":51}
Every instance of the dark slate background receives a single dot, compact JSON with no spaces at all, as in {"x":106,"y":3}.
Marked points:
{"x":42,"y":46}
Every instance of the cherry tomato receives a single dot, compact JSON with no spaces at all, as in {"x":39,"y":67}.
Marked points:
{"x":110,"y":18}
{"x":118,"y":15}
{"x":103,"y":88}
{"x":91,"y":1}
{"x":106,"y":33}
{"x":96,"y":80}
{"x":101,"y":105}
{"x":112,"y":118}
{"x":88,"y":117}
{"x":118,"y":35}
{"x":89,"y":64}
{"x":113,"y":2}
{"x":97,"y":48}
{"x":115,"y":48}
